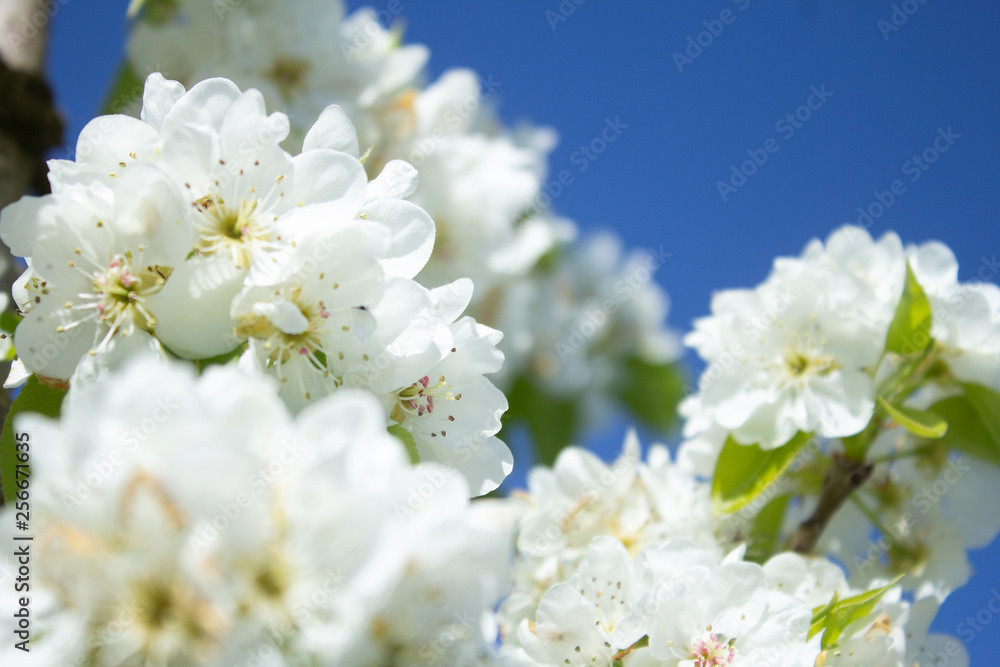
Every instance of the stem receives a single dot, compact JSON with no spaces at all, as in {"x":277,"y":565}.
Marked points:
{"x":856,"y":446}
{"x":872,"y":516}
{"x":845,"y":475}
{"x":873,"y":371}
{"x":915,"y":378}
{"x":892,"y":456}
{"x":641,"y":643}
{"x":895,"y":385}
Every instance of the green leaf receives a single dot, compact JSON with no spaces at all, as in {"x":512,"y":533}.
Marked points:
{"x":820,"y":615}
{"x":155,"y":11}
{"x":134,"y":8}
{"x":125,"y":96}
{"x":407,"y":439}
{"x":765,"y":529}
{"x":552,"y":421}
{"x":910,"y":330}
{"x":836,"y":617}
{"x":925,"y":424}
{"x":224,"y":358}
{"x":974,"y":422}
{"x":9,"y":321}
{"x":745,"y":471}
{"x":8,"y":325}
{"x":652,"y":392}
{"x":33,"y":397}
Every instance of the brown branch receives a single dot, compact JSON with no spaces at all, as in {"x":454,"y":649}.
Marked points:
{"x":844,"y":476}
{"x":29,"y":127}
{"x":29,"y":123}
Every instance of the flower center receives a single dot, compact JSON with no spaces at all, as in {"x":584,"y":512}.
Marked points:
{"x":711,"y":651}
{"x":800,"y":364}
{"x":804,"y":358}
{"x":170,"y":614}
{"x":289,"y":327}
{"x":236,"y":229}
{"x":287,"y":74}
{"x":117,"y":299}
{"x":420,"y":399}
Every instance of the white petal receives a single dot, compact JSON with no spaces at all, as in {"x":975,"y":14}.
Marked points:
{"x":43,"y":349}
{"x":484,"y":461}
{"x":333,"y":130}
{"x":18,"y":224}
{"x":398,"y":180}
{"x":284,"y":315}
{"x":324,"y":175}
{"x":412,"y":235}
{"x":158,"y":98}
{"x":206,"y":103}
{"x":451,"y":300}
{"x":18,"y":375}
{"x":192,"y":309}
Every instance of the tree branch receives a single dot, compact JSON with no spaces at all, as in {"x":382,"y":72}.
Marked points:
{"x":844,"y":476}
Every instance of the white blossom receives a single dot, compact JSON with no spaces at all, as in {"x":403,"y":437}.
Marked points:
{"x":710,"y":612}
{"x":892,"y":634}
{"x":581,"y":499}
{"x":320,"y":541}
{"x":573,"y":325}
{"x":303,"y":55}
{"x":966,"y":315}
{"x":99,"y":257}
{"x":795,"y":354}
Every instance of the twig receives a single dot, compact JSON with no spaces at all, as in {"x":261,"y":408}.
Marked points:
{"x":844,"y":476}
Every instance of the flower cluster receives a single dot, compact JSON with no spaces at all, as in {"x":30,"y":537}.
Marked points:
{"x":574,"y":314}
{"x":261,"y":344}
{"x":893,"y":366}
{"x":627,"y":563}
{"x":320,"y":544}
{"x":190,"y":232}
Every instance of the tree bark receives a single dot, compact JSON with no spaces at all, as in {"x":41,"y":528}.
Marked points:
{"x":844,"y":476}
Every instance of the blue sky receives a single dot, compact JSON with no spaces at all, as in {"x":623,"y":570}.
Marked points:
{"x":698,"y":88}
